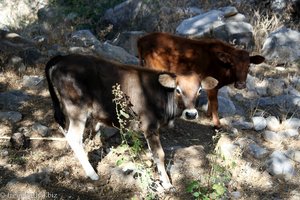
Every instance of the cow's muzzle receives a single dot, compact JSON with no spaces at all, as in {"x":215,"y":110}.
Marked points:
{"x":190,"y":114}
{"x":240,"y":85}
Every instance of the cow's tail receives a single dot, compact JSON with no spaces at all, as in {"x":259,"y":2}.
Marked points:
{"x":58,"y":113}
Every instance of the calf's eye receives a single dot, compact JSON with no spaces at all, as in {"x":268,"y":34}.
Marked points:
{"x":178,"y":90}
{"x":199,"y":91}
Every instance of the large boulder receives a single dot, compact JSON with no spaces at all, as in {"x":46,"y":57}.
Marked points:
{"x":225,"y":24}
{"x":83,"y":41}
{"x":282,"y":45}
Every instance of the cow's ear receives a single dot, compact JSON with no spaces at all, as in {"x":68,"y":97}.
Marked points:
{"x":209,"y":83}
{"x":224,"y":57}
{"x":257,"y":59}
{"x":167,"y":80}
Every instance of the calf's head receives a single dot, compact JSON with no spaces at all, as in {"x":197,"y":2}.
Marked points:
{"x":188,"y":88}
{"x":238,"y":63}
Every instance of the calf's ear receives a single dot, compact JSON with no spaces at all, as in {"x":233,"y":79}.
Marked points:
{"x":257,"y":59}
{"x":209,"y":83}
{"x":167,"y":80}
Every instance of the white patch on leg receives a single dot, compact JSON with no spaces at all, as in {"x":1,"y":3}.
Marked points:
{"x":74,"y":138}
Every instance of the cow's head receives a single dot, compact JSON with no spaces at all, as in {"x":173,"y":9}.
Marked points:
{"x":238,"y":63}
{"x":188,"y":88}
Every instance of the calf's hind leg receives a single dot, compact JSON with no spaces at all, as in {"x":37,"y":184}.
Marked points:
{"x":74,"y":138}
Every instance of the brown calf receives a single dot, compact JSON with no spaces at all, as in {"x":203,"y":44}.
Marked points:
{"x":81,"y":87}
{"x":206,"y":57}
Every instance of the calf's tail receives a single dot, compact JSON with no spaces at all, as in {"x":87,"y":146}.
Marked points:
{"x":58,"y":113}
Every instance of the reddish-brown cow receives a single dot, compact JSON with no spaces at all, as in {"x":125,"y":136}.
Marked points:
{"x":80,"y":87}
{"x":206,"y":57}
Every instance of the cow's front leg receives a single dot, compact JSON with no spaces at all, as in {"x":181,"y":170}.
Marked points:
{"x":212,"y":109}
{"x":158,"y":155}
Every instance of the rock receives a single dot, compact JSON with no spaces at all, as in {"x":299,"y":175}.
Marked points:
{"x":226,"y":147}
{"x":32,"y":81}
{"x":201,"y":24}
{"x":11,"y":116}
{"x":273,"y":124}
{"x":291,"y":123}
{"x":236,"y":195}
{"x":128,"y":41}
{"x":257,"y":151}
{"x":16,"y":62}
{"x":226,"y":106}
{"x":294,"y":155}
{"x":279,"y":164}
{"x":116,"y":53}
{"x":288,"y":102}
{"x":259,"y":123}
{"x":282,"y":45}
{"x":40,"y":129}
{"x":3,"y":153}
{"x":225,"y":24}
{"x":272,"y":137}
{"x":240,"y":124}
{"x":275,"y":87}
{"x":289,"y":133}
{"x":12,"y":100}
{"x":19,"y":140}
{"x":294,"y":195}
{"x":238,"y":33}
{"x":83,"y":38}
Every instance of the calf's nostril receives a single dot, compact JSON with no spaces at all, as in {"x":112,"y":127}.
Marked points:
{"x":191,"y":115}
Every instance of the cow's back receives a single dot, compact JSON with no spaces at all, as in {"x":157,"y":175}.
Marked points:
{"x":87,"y":83}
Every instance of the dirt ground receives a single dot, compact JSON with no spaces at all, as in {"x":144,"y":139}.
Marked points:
{"x":49,"y":170}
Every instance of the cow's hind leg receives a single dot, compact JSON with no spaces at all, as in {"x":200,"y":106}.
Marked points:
{"x":74,"y":138}
{"x":159,"y":157}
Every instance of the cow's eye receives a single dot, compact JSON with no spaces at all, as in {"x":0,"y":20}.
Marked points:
{"x":178,"y":90}
{"x":199,"y":91}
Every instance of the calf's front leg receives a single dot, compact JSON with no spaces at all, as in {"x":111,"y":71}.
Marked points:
{"x":158,"y":155}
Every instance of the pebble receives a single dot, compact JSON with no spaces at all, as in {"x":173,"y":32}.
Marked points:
{"x":273,"y":124}
{"x":257,"y":151}
{"x":271,"y":136}
{"x":259,"y":123}
{"x":279,"y":164}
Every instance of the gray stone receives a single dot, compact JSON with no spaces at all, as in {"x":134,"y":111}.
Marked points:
{"x":128,"y":41}
{"x":259,"y":123}
{"x":282,"y":45}
{"x":272,"y":137}
{"x":291,"y":123}
{"x":11,"y":116}
{"x":289,"y":133}
{"x":289,"y":102}
{"x":3,"y":153}
{"x":16,"y":62}
{"x":12,"y":100}
{"x":40,"y":129}
{"x":294,"y":155}
{"x":240,"y":124}
{"x":279,"y":164}
{"x":238,"y":33}
{"x":236,"y":195}
{"x":275,"y":87}
{"x":116,"y":53}
{"x":201,"y":24}
{"x":273,"y":124}
{"x":83,"y":38}
{"x":257,"y":151}
{"x":32,"y":81}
